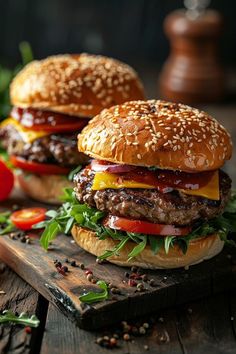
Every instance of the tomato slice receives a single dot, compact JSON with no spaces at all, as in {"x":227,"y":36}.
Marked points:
{"x":144,"y":227}
{"x":48,"y":121}
{"x":40,"y":168}
{"x":6,"y":181}
{"x":24,"y":219}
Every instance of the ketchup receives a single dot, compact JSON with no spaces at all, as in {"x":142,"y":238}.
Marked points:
{"x":174,"y":179}
{"x":164,"y":180}
{"x":38,"y":119}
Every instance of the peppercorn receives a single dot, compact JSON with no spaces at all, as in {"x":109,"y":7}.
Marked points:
{"x":90,"y":277}
{"x":142,"y":330}
{"x":163,"y":338}
{"x":73,"y":264}
{"x":65,"y":269}
{"x":57,"y":263}
{"x":67,"y":260}
{"x":134,"y":269}
{"x":126,"y":274}
{"x":144,"y":277}
{"x":140,"y":287}
{"x":99,"y":340}
{"x":93,"y":280}
{"x":152,"y":282}
{"x":113,"y":341}
{"x":126,"y":337}
{"x":99,"y":261}
{"x":132,"y":282}
{"x":145,"y":325}
{"x":28,"y":330}
{"x":23,"y":239}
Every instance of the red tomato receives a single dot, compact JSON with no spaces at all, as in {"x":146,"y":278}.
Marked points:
{"x":24,"y":219}
{"x":40,"y":168}
{"x":49,"y":121}
{"x":6,"y":181}
{"x":144,"y":227}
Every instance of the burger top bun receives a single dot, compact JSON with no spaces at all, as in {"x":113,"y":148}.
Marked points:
{"x":78,"y":85}
{"x":157,"y":133}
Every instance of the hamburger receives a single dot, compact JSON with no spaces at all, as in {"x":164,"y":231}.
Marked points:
{"x":154,"y":192}
{"x":53,"y":99}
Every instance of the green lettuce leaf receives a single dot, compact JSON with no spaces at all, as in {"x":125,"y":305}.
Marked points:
{"x":72,"y":212}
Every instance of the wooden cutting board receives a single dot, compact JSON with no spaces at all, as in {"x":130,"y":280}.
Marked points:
{"x":173,"y":287}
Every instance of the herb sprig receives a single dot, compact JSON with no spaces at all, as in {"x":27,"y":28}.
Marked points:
{"x":93,"y":296}
{"x":23,"y":319}
{"x":72,"y":212}
{"x":6,"y":225}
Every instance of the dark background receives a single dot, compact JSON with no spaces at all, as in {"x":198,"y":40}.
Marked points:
{"x":130,"y":30}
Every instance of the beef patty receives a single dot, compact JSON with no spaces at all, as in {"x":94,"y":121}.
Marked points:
{"x":55,"y":148}
{"x":174,"y":208}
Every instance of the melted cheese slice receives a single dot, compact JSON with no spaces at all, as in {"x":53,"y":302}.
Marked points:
{"x":105,"y":180}
{"x":26,"y":134}
{"x":210,"y":190}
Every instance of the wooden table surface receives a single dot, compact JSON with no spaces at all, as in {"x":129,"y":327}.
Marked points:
{"x":205,"y":326}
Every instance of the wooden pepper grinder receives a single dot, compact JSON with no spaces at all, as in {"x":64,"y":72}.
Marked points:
{"x":192,"y":73}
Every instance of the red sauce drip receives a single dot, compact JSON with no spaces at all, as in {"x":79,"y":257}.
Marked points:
{"x":164,"y":180}
{"x":38,"y":119}
{"x":168,"y":178}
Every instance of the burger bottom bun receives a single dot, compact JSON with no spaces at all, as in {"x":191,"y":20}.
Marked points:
{"x":199,"y":250}
{"x":43,"y":188}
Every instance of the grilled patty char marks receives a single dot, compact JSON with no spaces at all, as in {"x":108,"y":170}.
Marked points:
{"x":175,"y":208}
{"x":54,"y":148}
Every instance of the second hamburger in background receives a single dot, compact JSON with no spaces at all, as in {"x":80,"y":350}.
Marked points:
{"x":53,"y":100}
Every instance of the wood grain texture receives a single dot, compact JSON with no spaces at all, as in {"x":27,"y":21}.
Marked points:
{"x":19,"y":297}
{"x":174,"y":287}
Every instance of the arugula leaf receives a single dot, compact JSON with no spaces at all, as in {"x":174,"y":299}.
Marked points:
{"x":51,"y":231}
{"x":6,"y":225}
{"x":92,"y":296}
{"x":168,"y":241}
{"x":155,"y":243}
{"x":115,"y":250}
{"x":72,"y":212}
{"x":138,"y":249}
{"x":9,"y":317}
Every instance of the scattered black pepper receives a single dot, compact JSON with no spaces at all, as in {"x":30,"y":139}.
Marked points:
{"x":152,"y":282}
{"x":134,"y":269}
{"x":73,"y":264}
{"x":89,"y":276}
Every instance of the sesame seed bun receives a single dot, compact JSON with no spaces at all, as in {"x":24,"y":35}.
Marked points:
{"x":43,"y":188}
{"x":199,"y":250}
{"x":157,"y":133}
{"x":78,"y":85}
